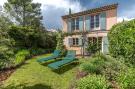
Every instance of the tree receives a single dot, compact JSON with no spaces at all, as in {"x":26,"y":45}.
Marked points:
{"x":60,"y":45}
{"x":122,"y":41}
{"x":6,"y":44}
{"x":24,"y":12}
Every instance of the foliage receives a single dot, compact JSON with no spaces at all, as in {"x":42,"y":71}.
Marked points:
{"x":126,"y":79}
{"x":6,"y":44}
{"x":93,"y":47}
{"x":39,"y":51}
{"x":24,"y":12}
{"x":104,"y":65}
{"x":122,"y":41}
{"x":29,"y":38}
{"x":60,"y":45}
{"x":23,"y":36}
{"x":93,"y":82}
{"x":21,"y":56}
{"x":95,"y":66}
{"x":28,"y":33}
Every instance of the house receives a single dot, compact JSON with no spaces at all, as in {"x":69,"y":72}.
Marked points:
{"x":88,"y":26}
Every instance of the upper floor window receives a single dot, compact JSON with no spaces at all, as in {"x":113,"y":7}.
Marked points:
{"x":75,"y":24}
{"x":94,"y":21}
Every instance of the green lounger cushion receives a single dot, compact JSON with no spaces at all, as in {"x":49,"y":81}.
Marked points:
{"x":55,"y":54}
{"x":69,"y":58}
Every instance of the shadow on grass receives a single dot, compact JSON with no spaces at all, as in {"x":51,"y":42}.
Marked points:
{"x":66,"y":67}
{"x":50,"y":61}
{"x":24,"y":86}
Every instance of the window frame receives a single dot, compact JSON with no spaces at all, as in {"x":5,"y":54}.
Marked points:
{"x":95,"y":21}
{"x":75,"y":41}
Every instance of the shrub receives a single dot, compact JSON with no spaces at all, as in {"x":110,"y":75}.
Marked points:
{"x":104,"y":65}
{"x":93,"y":82}
{"x":21,"y":56}
{"x":60,"y":45}
{"x":95,"y":65}
{"x":126,"y":79}
{"x":38,"y":51}
{"x":122,"y":41}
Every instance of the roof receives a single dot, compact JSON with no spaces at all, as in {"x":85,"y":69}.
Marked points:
{"x":90,"y":11}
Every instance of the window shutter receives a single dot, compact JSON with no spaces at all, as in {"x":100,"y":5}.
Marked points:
{"x":103,"y":21}
{"x":70,"y":41}
{"x":69,"y":26}
{"x":87,"y":23}
{"x":86,"y":42}
{"x":80,"y":42}
{"x":81,"y":23}
{"x":105,"y":45}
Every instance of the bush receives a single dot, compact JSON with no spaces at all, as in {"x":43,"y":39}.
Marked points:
{"x":60,"y":45}
{"x":126,"y":79}
{"x":122,"y":41}
{"x":93,"y":82}
{"x":104,"y":65}
{"x":93,"y":48}
{"x":38,"y":51}
{"x":21,"y":56}
{"x":95,"y":65}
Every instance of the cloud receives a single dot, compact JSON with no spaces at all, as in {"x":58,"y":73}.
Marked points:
{"x":127,"y":14}
{"x":52,"y":11}
{"x":120,"y":19}
{"x":2,"y":2}
{"x":65,"y":4}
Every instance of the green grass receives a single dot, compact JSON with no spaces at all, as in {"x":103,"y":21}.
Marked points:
{"x":33,"y":75}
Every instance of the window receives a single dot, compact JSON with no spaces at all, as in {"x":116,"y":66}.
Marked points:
{"x":75,"y":41}
{"x":75,"y":24}
{"x":94,"y":21}
{"x":93,"y":40}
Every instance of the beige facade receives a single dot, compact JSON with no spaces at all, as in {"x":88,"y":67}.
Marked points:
{"x":110,"y":20}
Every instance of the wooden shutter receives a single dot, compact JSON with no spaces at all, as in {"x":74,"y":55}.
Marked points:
{"x":69,"y":26}
{"x":87,"y":23}
{"x":70,"y":41}
{"x":103,"y":21}
{"x":105,"y":45}
{"x":81,"y":23}
{"x":80,"y":42}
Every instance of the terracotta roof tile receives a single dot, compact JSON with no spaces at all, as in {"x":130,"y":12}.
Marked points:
{"x":90,"y":11}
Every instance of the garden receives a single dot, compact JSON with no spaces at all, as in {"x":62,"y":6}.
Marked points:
{"x":24,"y":41}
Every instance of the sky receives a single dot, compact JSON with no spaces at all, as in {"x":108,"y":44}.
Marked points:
{"x":52,"y":10}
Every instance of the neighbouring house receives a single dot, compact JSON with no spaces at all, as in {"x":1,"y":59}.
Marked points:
{"x":88,"y":26}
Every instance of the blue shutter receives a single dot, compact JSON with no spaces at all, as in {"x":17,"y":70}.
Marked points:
{"x":105,"y":45}
{"x":80,"y":41}
{"x":103,"y":21}
{"x":87,"y":23}
{"x":70,"y":41}
{"x":69,"y":26}
{"x":81,"y":23}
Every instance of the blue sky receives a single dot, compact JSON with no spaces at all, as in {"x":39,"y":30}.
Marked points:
{"x":52,"y":10}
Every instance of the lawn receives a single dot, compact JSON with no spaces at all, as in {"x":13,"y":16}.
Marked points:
{"x":33,"y":75}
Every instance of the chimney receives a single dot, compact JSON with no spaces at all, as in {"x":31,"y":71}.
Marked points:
{"x":69,"y":11}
